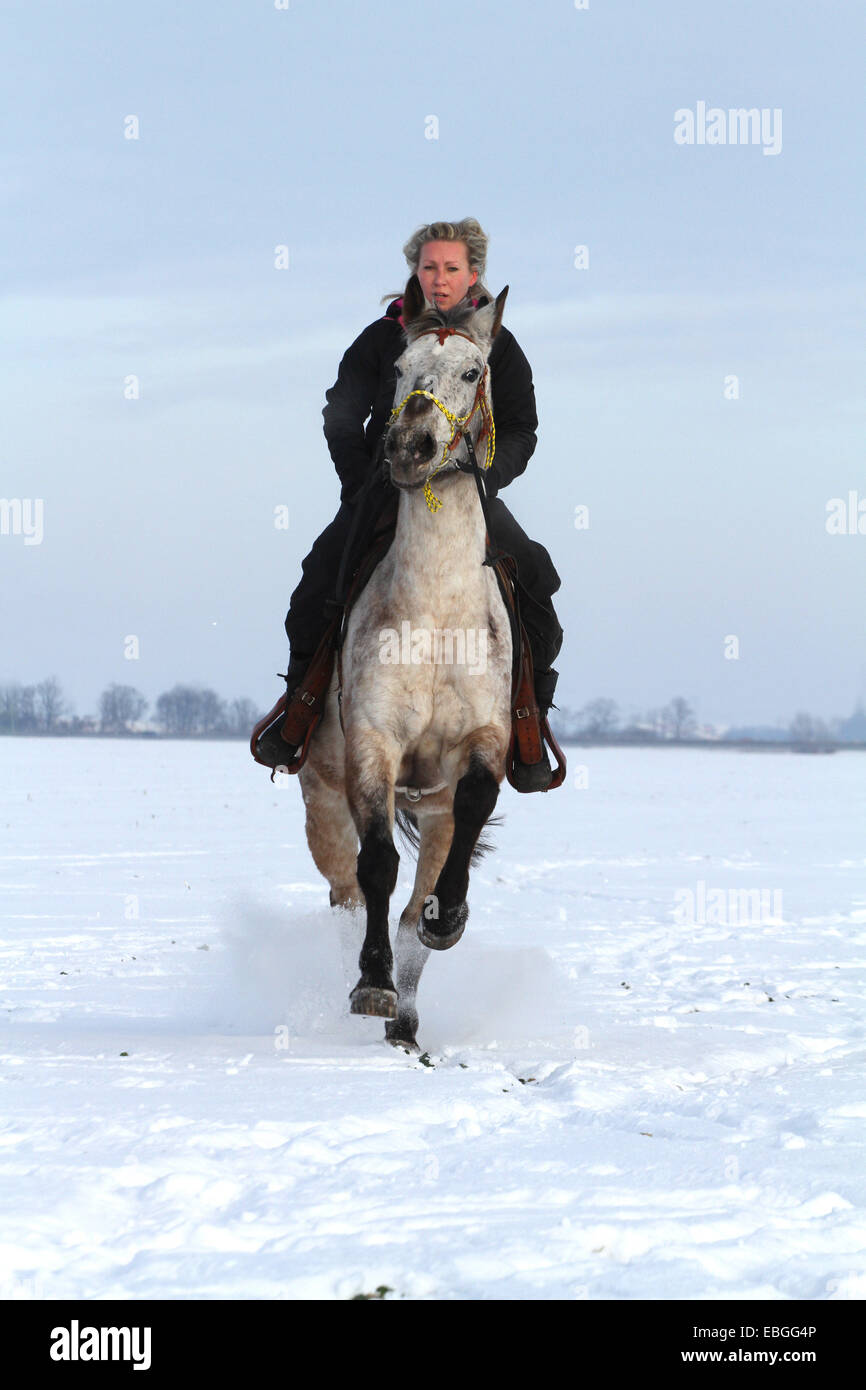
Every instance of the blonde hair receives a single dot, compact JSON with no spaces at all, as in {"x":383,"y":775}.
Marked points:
{"x":469,"y":231}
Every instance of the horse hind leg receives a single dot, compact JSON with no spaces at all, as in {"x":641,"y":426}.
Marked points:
{"x":474,"y":800}
{"x":437,"y":832}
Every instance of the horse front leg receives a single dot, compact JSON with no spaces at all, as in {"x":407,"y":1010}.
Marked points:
{"x":371,"y":764}
{"x":437,"y":831}
{"x":331,"y":836}
{"x":474,"y":800}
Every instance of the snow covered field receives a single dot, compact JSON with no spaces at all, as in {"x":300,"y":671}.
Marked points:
{"x":634,"y":1092}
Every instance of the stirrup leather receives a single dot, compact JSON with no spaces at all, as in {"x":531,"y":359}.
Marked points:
{"x":530,"y":729}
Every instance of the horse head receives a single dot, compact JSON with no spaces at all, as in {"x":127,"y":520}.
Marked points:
{"x":441,"y":379}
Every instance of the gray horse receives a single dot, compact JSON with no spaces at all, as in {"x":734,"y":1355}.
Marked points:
{"x":425,"y":675}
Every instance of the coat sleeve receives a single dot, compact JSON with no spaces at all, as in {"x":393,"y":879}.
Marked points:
{"x":514,"y":416}
{"x":349,"y":402}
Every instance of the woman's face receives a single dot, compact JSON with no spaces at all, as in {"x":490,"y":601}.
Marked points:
{"x":443,"y":271}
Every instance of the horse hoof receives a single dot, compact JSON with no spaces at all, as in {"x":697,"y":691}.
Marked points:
{"x":408,"y":1044}
{"x":440,"y":941}
{"x":375,"y":1003}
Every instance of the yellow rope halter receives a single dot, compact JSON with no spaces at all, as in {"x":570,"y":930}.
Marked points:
{"x":458,"y":423}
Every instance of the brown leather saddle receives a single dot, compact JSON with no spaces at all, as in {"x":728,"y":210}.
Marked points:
{"x":530,"y":730}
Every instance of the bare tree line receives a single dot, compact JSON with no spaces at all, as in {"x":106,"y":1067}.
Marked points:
{"x":184,"y":711}
{"x":189,"y":711}
{"x":600,"y":720}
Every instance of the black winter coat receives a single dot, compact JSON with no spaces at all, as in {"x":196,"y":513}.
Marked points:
{"x":366,"y":386}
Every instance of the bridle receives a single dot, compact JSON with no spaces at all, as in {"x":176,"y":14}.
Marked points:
{"x":458,"y":423}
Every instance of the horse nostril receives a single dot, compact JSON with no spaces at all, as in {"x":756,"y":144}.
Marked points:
{"x":423,"y":448}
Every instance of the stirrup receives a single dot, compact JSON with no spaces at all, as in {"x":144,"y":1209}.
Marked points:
{"x":267,"y":744}
{"x":281,"y":739}
{"x":532,"y":777}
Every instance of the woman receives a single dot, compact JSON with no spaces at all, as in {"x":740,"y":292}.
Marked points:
{"x":449,"y":260}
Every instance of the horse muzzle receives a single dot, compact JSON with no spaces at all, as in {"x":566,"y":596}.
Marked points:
{"x":409,"y":459}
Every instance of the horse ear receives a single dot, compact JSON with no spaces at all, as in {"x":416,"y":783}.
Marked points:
{"x":488,"y":320}
{"x":414,"y":302}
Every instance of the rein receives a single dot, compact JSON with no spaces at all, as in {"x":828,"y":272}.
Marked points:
{"x":458,"y":422}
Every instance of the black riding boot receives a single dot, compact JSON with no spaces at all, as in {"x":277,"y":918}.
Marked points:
{"x":270,"y":745}
{"x":306,"y":622}
{"x":311,"y":606}
{"x":545,"y":685}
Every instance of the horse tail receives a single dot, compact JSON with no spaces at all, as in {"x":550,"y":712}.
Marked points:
{"x":484,"y":846}
{"x":407,"y":824}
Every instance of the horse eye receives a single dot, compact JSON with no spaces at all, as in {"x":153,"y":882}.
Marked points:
{"x":471,"y":375}
{"x":397,"y":370}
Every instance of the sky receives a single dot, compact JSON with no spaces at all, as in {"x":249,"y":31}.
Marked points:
{"x":698,"y":368}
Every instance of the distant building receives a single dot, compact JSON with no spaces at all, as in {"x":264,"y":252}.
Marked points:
{"x":853,"y":729}
{"x":764,"y":733}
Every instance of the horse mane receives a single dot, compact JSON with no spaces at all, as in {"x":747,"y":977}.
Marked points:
{"x":461,"y":316}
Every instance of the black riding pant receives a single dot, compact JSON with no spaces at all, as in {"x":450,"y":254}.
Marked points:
{"x":307,"y":618}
